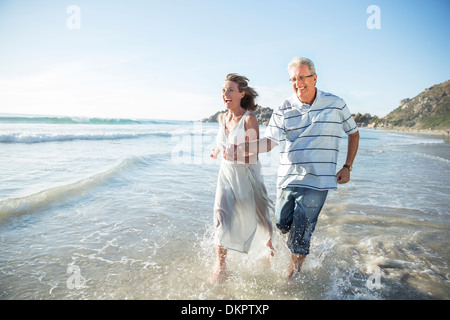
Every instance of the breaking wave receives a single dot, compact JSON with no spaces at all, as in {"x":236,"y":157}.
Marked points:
{"x":69,"y":120}
{"x":54,"y":195}
{"x":36,"y":137}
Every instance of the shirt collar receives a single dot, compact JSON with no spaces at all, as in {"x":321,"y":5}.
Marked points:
{"x":296,"y":103}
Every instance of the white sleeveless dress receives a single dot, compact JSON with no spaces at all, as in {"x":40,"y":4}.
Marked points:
{"x":241,"y":202}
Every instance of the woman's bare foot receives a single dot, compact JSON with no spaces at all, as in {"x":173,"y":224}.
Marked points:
{"x":221,"y":269}
{"x":271,"y":251}
{"x":217,"y":276}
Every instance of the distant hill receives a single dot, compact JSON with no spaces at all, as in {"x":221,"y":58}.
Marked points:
{"x":430,"y":110}
{"x":262,"y":114}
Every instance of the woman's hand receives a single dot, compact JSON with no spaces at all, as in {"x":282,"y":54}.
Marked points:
{"x":214,"y":153}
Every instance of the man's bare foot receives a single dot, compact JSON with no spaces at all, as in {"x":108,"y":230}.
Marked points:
{"x":296,"y":265}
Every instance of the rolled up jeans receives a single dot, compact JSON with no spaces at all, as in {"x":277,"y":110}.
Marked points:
{"x":296,"y":211}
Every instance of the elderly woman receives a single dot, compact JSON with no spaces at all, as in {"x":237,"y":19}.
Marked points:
{"x":241,"y":202}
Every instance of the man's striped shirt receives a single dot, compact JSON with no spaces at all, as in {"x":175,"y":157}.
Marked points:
{"x":308,"y":138}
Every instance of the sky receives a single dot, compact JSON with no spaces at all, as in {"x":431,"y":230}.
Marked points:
{"x":168,"y":59}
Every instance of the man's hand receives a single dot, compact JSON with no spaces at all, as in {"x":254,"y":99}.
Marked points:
{"x":343,"y":176}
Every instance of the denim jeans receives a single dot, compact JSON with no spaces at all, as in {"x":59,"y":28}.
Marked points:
{"x":296,"y":212}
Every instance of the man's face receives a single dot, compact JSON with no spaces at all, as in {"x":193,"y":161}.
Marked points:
{"x":303,"y":84}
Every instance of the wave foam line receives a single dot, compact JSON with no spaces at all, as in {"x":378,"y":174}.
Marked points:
{"x":66,"y":120}
{"x":4,"y":118}
{"x":17,"y":137}
{"x":46,"y":197}
{"x":40,"y":137}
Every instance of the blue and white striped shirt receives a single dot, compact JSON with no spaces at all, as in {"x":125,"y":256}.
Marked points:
{"x":308,"y":138}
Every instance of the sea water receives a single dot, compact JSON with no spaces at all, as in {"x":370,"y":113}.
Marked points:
{"x":122,"y":209}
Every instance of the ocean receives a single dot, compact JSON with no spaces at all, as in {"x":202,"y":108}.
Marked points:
{"x":123,"y":209}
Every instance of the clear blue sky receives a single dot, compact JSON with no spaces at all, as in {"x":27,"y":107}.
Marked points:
{"x":167,"y":59}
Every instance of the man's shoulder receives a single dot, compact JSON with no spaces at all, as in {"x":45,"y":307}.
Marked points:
{"x":328,"y":95}
{"x":328,"y":98}
{"x":286,"y":105}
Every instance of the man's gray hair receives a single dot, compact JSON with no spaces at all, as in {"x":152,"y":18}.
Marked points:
{"x":297,"y":62}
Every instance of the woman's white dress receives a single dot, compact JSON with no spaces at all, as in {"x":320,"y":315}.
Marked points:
{"x":241,"y":202}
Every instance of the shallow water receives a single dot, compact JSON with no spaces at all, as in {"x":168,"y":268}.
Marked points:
{"x":124,"y":211}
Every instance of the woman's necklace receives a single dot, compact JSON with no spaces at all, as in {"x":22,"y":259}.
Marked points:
{"x":232,"y":120}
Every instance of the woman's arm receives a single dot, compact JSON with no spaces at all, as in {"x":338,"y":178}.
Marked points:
{"x":252,"y":146}
{"x":216,"y":150}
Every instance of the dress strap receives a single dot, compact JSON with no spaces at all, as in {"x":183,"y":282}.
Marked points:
{"x":243,"y":118}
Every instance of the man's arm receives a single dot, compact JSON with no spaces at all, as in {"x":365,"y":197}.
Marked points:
{"x":343,"y":176}
{"x":261,"y":145}
{"x":242,"y":150}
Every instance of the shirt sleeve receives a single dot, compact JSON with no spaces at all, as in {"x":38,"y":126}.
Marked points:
{"x":275,"y":128}
{"x":348,"y":123}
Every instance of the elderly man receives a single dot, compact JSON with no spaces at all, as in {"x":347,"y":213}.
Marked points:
{"x":308,"y":128}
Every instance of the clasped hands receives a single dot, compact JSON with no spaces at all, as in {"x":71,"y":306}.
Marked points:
{"x":233,"y":152}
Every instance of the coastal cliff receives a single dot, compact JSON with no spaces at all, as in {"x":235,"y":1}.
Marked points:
{"x":429,"y":110}
{"x":262,"y":114}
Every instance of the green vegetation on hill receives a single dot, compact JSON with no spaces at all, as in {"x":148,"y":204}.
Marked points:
{"x":428,"y":110}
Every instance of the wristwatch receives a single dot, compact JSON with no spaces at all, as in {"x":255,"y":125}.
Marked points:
{"x":348,"y":167}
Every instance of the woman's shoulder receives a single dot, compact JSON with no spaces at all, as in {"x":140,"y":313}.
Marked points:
{"x":250,"y":120}
{"x":250,"y":117}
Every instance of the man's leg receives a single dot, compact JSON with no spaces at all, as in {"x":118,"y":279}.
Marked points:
{"x":308,"y":204}
{"x":284,"y":209}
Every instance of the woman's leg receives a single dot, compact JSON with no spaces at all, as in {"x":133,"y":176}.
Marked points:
{"x":221,"y":265}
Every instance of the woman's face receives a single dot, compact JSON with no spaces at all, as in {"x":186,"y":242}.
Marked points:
{"x":231,"y":95}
